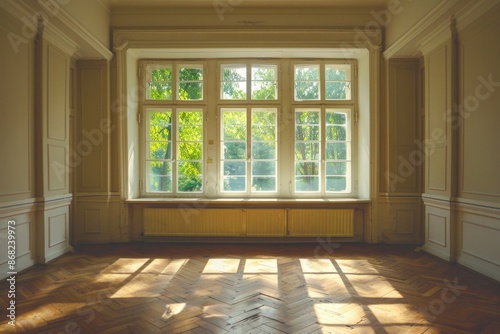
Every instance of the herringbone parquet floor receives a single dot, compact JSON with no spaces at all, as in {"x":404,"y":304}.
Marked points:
{"x":230,"y":288}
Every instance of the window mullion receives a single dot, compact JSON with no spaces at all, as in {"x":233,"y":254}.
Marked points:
{"x":323,"y":151}
{"x":249,"y":150}
{"x":175,"y":147}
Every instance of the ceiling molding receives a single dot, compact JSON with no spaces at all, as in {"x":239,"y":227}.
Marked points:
{"x":344,"y":38}
{"x":410,"y":38}
{"x":84,"y":34}
{"x":463,"y":11}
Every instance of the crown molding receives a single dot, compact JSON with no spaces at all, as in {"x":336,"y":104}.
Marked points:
{"x":56,"y":37}
{"x":344,"y":38}
{"x":464,"y":12}
{"x":418,"y":30}
{"x":84,"y":34}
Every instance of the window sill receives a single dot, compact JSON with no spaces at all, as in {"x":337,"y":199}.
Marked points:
{"x":248,"y":202}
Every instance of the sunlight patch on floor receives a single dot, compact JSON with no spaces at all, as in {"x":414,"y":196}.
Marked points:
{"x":225,"y":266}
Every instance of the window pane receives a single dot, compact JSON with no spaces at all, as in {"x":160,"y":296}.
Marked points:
{"x":234,"y":124}
{"x":263,"y":183}
{"x":336,"y":133}
{"x":336,"y":183}
{"x":336,"y":168}
{"x":235,"y":183}
{"x":306,"y":184}
{"x":158,"y":82}
{"x":189,"y":151}
{"x":307,"y":168}
{"x":307,"y":151}
{"x":335,"y":118}
{"x":235,"y":150}
{"x":159,"y":176}
{"x":160,"y":150}
{"x":307,"y":84}
{"x":336,"y":151}
{"x":194,"y":73}
{"x":306,"y":72}
{"x":338,"y":81}
{"x":190,"y":91}
{"x":264,"y":168}
{"x":307,"y":117}
{"x":233,"y":82}
{"x":307,"y":132}
{"x":160,"y":125}
{"x":338,"y":72}
{"x":235,"y":168}
{"x":264,"y":150}
{"x":264,"y":82}
{"x":234,"y":147}
{"x":190,"y":132}
{"x":190,"y":82}
{"x":306,"y":91}
{"x":263,"y":132}
{"x":190,"y":176}
{"x":336,"y":90}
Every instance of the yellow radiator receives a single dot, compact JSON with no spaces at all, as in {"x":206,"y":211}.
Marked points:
{"x":320,"y":222}
{"x":193,"y":222}
{"x":248,"y":222}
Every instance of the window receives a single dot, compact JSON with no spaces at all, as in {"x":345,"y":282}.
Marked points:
{"x":322,"y":131}
{"x":249,"y":150}
{"x":322,"y":150}
{"x":174,"y":162}
{"x":270,"y":128}
{"x":160,"y":78}
{"x":249,"y":82}
{"x":174,"y":135}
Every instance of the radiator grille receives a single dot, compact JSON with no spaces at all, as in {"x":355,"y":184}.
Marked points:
{"x":193,"y":222}
{"x":308,"y":223}
{"x":248,"y":222}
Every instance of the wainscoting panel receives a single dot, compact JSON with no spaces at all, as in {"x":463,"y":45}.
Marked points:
{"x":438,"y":229}
{"x":478,"y":234}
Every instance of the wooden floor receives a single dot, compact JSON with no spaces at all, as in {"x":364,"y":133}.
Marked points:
{"x":207,"y":288}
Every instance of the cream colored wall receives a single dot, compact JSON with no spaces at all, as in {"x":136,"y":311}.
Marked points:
{"x":462,"y":188}
{"x":405,"y":15}
{"x":35,"y":119}
{"x":400,"y":205}
{"x":92,"y":15}
{"x":478,"y":211}
{"x":17,"y":182}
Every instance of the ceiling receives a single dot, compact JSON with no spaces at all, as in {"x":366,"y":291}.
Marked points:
{"x":246,"y":3}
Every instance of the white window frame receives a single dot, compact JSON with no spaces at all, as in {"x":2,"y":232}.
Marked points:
{"x":248,"y":109}
{"x":285,"y":105}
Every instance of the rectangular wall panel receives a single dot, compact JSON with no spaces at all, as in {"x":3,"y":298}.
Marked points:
{"x":436,"y":229}
{"x":57,"y":226}
{"x":92,"y":221}
{"x":57,"y":94}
